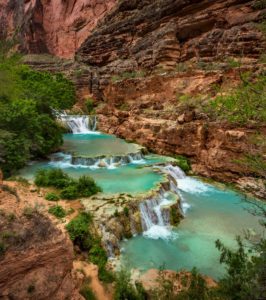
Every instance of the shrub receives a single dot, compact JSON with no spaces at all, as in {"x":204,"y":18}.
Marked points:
{"x":243,"y":104}
{"x":57,"y":211}
{"x":126,"y":211}
{"x":87,"y":293}
{"x":53,"y":177}
{"x":28,"y":128}
{"x":79,"y":232}
{"x":52,"y":197}
{"x":71,"y":192}
{"x":87,"y":187}
{"x":183,"y":163}
{"x":89,"y":106}
{"x":124,"y":289}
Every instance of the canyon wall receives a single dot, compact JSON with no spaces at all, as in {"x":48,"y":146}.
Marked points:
{"x":57,"y":27}
{"x":151,"y":58}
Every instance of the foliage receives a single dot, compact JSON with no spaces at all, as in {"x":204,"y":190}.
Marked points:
{"x":87,"y":293}
{"x":52,"y":197}
{"x":128,"y":75}
{"x":183,"y":163}
{"x":57,"y":211}
{"x":124,"y":289}
{"x":27,"y":125}
{"x":79,"y":232}
{"x":98,"y":256}
{"x":259,"y":4}
{"x":52,"y":178}
{"x":245,"y":103}
{"x":245,"y":266}
{"x":70,"y":192}
{"x":197,"y":289}
{"x":89,"y":106}
{"x":85,"y":186}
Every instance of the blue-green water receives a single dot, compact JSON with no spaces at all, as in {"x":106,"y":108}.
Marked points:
{"x":131,"y":178}
{"x":97,"y":144}
{"x":211,"y":214}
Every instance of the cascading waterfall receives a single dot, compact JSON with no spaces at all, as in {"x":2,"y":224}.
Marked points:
{"x":110,"y":162}
{"x":177,"y":175}
{"x":155,"y":219}
{"x":78,"y":123}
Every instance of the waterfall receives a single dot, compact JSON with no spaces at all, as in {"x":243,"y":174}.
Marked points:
{"x":110,"y":162}
{"x":155,"y":219}
{"x":78,"y":123}
{"x":177,"y":175}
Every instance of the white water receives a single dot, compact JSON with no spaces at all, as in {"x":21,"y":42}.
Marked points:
{"x":109,"y":162}
{"x":154,"y":219}
{"x":78,"y":124}
{"x":62,"y":160}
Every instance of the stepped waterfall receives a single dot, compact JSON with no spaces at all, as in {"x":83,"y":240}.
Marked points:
{"x":155,"y":213}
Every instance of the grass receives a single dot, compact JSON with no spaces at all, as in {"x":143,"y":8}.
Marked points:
{"x":128,"y":75}
{"x":243,"y":104}
{"x":52,"y":197}
{"x":58,"y":211}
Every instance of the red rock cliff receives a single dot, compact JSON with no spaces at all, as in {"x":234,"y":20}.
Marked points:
{"x":58,"y":27}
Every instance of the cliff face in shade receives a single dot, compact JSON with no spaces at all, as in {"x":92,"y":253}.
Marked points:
{"x":144,"y":34}
{"x":57,"y":26}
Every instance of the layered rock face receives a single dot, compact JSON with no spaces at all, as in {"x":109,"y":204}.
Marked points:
{"x":144,"y":34}
{"x":56,"y":27}
{"x":151,"y":55}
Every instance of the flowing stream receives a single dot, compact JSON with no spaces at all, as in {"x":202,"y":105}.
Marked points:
{"x":210,"y":212}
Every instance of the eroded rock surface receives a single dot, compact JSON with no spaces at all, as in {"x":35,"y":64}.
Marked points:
{"x":37,"y":257}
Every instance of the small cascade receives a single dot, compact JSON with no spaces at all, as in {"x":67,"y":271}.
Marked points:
{"x":78,"y":123}
{"x":111,"y":162}
{"x":177,"y":175}
{"x":155,"y":219}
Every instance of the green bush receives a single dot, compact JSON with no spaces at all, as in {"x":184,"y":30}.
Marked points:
{"x":52,"y":178}
{"x":87,"y":293}
{"x":89,"y":106}
{"x":70,"y":193}
{"x":124,"y":289}
{"x":57,"y":211}
{"x":79,"y":231}
{"x":242,"y":105}
{"x":52,"y":197}
{"x":85,"y":186}
{"x":183,"y":163}
{"x":28,"y":127}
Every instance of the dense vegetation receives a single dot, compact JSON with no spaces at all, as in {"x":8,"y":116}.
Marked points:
{"x":27,"y":126}
{"x":70,"y":188}
{"x":82,"y":234}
